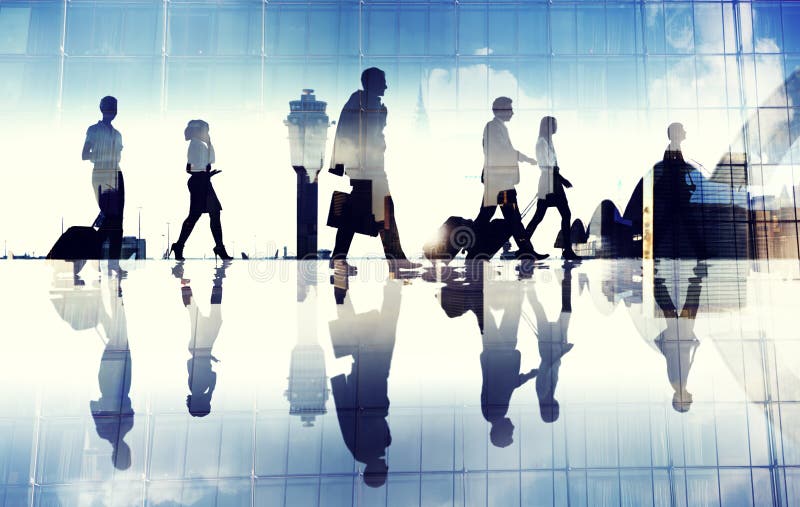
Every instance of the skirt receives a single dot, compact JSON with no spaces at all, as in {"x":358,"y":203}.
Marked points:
{"x":202,"y":198}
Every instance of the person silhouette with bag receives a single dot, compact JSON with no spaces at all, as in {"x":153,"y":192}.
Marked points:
{"x":103,"y":147}
{"x":551,"y":186}
{"x":358,"y":152}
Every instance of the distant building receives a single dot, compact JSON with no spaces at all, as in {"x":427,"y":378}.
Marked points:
{"x":775,"y":226}
{"x":131,"y":246}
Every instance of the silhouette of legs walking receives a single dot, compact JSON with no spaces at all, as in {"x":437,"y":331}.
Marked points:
{"x":187,"y":227}
{"x":559,"y":200}
{"x":510,"y":210}
{"x":216,"y":228}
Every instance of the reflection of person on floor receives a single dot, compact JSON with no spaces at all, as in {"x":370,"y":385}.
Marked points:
{"x":673,"y":187}
{"x":358,"y":152}
{"x":500,"y":175}
{"x":361,"y":397}
{"x":500,"y":360}
{"x":678,"y":342}
{"x":204,"y":332}
{"x":553,"y":345}
{"x":103,"y":147}
{"x":112,"y":412}
{"x":551,"y":185}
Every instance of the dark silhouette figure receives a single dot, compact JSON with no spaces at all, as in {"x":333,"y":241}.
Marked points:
{"x":204,"y":332}
{"x":112,"y":412}
{"x":500,"y":175}
{"x":678,"y":342}
{"x":361,"y":397}
{"x":203,"y":199}
{"x":358,"y":152}
{"x":553,"y":345}
{"x":500,"y":362}
{"x":103,"y":147}
{"x":551,"y":186}
{"x":673,"y":212}
{"x":500,"y":359}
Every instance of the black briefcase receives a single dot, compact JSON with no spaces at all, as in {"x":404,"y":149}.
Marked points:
{"x":354,"y":209}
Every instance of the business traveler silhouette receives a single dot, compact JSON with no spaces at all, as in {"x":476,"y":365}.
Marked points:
{"x":678,"y":342}
{"x":103,"y":147}
{"x":554,"y":343}
{"x":500,"y":359}
{"x":204,"y":332}
{"x":676,"y":218}
{"x":500,"y":175}
{"x":361,"y":397}
{"x":113,"y":412}
{"x":358,"y":152}
{"x":551,"y":186}
{"x":202,"y":197}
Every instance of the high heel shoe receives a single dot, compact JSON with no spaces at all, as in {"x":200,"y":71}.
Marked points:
{"x":177,"y":250}
{"x":219,"y":251}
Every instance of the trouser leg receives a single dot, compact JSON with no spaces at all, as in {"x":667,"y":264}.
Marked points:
{"x":187,"y":227}
{"x":344,"y":237}
{"x":566,"y":217}
{"x":216,"y":228}
{"x":510,"y":212}
{"x":390,"y":236}
{"x":538,"y":216}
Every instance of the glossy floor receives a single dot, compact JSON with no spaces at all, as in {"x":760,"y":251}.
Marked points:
{"x":274,"y":383}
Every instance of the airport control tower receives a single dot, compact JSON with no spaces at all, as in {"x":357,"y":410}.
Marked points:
{"x":308,"y":131}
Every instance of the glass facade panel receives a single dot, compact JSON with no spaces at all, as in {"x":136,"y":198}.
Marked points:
{"x":619,"y":76}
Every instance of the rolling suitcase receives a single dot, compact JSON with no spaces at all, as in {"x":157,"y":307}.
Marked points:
{"x":77,"y":243}
{"x":454,"y":235}
{"x":489,"y":239}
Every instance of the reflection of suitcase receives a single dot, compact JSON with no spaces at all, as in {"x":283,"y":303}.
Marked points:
{"x":77,"y":243}
{"x":489,"y":239}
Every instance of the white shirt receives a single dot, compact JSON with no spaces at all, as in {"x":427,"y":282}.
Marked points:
{"x":546,"y":156}
{"x":105,"y":145}
{"x":500,"y":161}
{"x":200,"y":155}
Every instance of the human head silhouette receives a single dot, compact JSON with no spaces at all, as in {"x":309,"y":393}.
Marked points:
{"x":547,"y":127}
{"x":108,"y":106}
{"x":682,"y":401}
{"x":121,"y":456}
{"x":375,"y":473}
{"x":373,"y":80}
{"x":502,"y":432}
{"x":196,"y":129}
{"x":676,"y":133}
{"x":501,"y":107}
{"x":549,"y":411}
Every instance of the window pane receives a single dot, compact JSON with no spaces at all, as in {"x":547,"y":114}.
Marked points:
{"x":678,"y":28}
{"x":502,"y":30}
{"x":591,"y":30}
{"x":620,"y":21}
{"x":654,"y":28}
{"x":533,"y":28}
{"x":708,"y":28}
{"x":766,"y":27}
{"x":14,"y":25}
{"x":564,"y":37}
{"x":472,"y":31}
